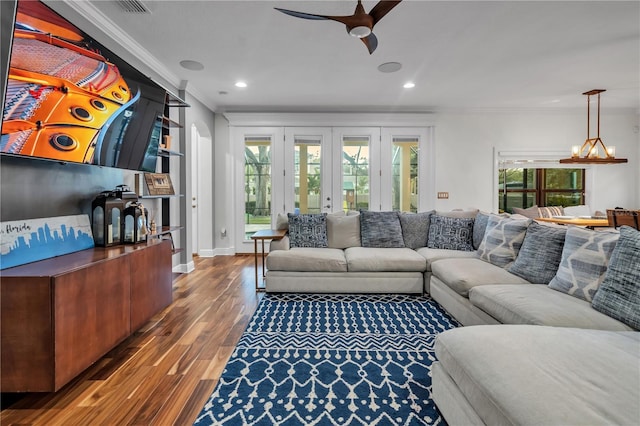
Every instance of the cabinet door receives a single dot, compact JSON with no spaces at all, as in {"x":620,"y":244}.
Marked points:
{"x":91,"y":315}
{"x":26,"y":360}
{"x":151,"y":282}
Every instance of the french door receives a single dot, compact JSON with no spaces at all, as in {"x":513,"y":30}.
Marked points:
{"x":328,"y":169}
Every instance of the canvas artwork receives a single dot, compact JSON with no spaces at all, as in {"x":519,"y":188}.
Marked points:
{"x":25,"y":241}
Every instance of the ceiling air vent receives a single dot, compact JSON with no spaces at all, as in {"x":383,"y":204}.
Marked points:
{"x":133,"y":6}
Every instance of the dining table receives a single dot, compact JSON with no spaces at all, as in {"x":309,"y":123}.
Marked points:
{"x":590,"y":222}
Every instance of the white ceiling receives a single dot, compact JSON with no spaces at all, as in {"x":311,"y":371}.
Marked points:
{"x":460,"y":54}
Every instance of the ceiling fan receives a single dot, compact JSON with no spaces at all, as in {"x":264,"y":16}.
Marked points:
{"x":360,"y":24}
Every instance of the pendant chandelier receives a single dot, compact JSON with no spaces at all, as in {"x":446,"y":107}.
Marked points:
{"x":589,"y":152}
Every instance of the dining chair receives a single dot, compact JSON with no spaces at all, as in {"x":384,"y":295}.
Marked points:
{"x":619,"y":217}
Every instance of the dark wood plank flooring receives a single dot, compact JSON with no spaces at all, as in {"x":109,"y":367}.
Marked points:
{"x":163,"y":373}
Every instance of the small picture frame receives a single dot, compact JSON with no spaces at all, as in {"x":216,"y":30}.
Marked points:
{"x":159,"y":183}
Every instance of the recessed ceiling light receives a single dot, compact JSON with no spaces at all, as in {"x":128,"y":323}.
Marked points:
{"x":389,"y":67}
{"x":241,"y":84}
{"x":409,"y":85}
{"x":192,"y":65}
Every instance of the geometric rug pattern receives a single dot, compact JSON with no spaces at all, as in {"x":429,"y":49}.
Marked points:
{"x":326,"y":359}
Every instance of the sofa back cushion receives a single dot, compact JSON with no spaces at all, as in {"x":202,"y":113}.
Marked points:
{"x":380,"y":229}
{"x":308,"y":230}
{"x":450,"y":233}
{"x":479,"y":228}
{"x":502,"y":240}
{"x":415,"y":228}
{"x":619,"y":293}
{"x":540,"y":254}
{"x":343,"y":230}
{"x":585,"y":256}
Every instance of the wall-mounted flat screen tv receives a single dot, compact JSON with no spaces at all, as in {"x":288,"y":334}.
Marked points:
{"x":70,"y":99}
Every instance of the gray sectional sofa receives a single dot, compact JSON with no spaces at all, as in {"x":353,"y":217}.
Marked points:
{"x":566,"y":299}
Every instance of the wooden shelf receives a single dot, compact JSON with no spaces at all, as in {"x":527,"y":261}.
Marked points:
{"x":168,"y":153}
{"x":175,"y":101}
{"x":169,"y":123}
{"x":148,"y":197}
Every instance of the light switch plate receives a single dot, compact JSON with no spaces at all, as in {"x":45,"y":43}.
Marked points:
{"x":443,"y":195}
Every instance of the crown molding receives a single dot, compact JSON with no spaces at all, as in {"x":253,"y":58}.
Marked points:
{"x":127,"y":46}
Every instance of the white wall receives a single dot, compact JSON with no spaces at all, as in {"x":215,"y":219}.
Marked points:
{"x":203,"y":118}
{"x":465,"y":143}
{"x":464,"y":149}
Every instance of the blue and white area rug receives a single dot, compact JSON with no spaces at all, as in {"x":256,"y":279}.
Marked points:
{"x":332,"y":360}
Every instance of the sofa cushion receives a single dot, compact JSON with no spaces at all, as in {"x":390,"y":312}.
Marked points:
{"x":380,"y":229}
{"x":531,"y":375}
{"x":540,"y":254}
{"x":308,"y":230}
{"x":462,"y":274}
{"x":282,"y":222}
{"x":343,"y":230}
{"x":530,"y":212}
{"x":431,"y":254}
{"x":584,"y":261}
{"x":463,"y":214}
{"x":551,"y":211}
{"x":502,"y":240}
{"x":307,"y":259}
{"x":371,"y":259}
{"x":415,"y":228}
{"x":479,"y":228}
{"x":619,"y":293}
{"x":451,"y":233}
{"x":540,"y":305}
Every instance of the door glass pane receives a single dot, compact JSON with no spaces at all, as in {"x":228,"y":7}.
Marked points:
{"x":404,"y":175}
{"x":307,"y":179}
{"x":355,"y":173}
{"x":257,"y":184}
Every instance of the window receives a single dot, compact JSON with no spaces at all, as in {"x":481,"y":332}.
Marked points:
{"x":521,"y":187}
{"x":257,"y":184}
{"x":307,"y":175}
{"x":355,"y":172}
{"x":404,"y":174}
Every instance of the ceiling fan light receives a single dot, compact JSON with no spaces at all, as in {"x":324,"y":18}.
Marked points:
{"x":360,"y":31}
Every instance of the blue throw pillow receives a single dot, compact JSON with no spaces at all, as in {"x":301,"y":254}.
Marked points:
{"x":451,"y":233}
{"x":307,"y":230}
{"x":619,"y":293}
{"x":540,"y":253}
{"x":380,"y":229}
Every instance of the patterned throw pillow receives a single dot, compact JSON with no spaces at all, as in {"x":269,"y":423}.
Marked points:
{"x":619,"y":293}
{"x":540,"y":254}
{"x":380,"y":229}
{"x":584,"y":262}
{"x":502,"y":240}
{"x":551,"y":211}
{"x":415,"y":228}
{"x":307,"y":230}
{"x":450,"y":233}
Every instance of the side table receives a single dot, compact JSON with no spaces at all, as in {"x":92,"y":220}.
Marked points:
{"x":264,"y":234}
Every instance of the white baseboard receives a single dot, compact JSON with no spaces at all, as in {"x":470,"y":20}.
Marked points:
{"x":207,"y":253}
{"x":224,"y":251}
{"x":184,"y":268}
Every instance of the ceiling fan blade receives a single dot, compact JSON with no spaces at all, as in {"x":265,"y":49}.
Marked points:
{"x":371,"y":41}
{"x":302,"y":14}
{"x":381,"y":9}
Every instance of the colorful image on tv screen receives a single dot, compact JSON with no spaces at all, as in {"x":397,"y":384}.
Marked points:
{"x":68,"y":100}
